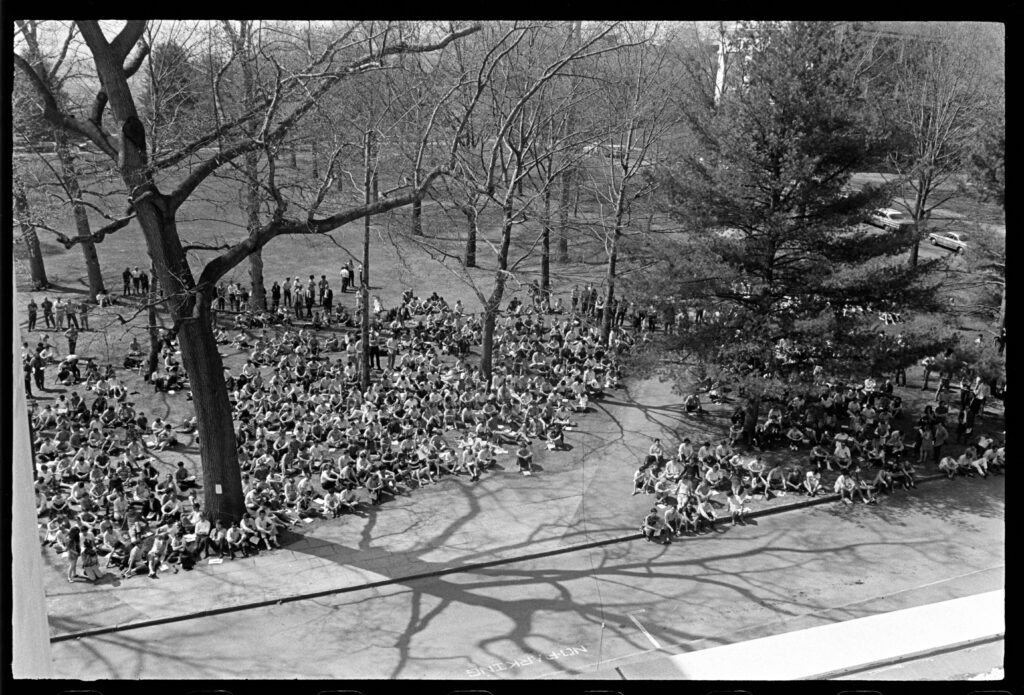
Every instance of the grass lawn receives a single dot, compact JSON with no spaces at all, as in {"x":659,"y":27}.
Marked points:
{"x":396,"y":264}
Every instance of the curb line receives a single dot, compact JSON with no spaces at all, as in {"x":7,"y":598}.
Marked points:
{"x":800,"y":504}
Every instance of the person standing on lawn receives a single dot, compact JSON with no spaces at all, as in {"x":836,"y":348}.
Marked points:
{"x":69,"y":309}
{"x":346,"y":276}
{"x":83,"y":314}
{"x":72,"y":335}
{"x":38,"y":364}
{"x":941,"y":435}
{"x":32,"y":308}
{"x":310,"y":297}
{"x":126,"y":276}
{"x":47,"y":307}
{"x":61,"y":309}
{"x":327,"y":300}
{"x":74,"y":545}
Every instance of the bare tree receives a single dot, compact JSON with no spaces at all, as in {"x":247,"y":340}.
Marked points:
{"x":24,"y":218}
{"x":634,"y":106}
{"x":51,"y":73}
{"x":189,"y":297}
{"x":514,"y":76}
{"x":938,"y":94}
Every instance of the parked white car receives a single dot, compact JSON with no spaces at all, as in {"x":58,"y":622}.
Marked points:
{"x":890,"y":219}
{"x":954,"y":241}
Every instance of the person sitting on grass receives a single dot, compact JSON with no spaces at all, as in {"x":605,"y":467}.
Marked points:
{"x":688,"y":517}
{"x":555,"y":437}
{"x":865,"y":489}
{"x":737,"y":507}
{"x":948,"y":466}
{"x":841,"y":456}
{"x":692,"y":404}
{"x":883,"y":481}
{"x":164,"y":438}
{"x":374,"y":485}
{"x":845,"y":486}
{"x":673,"y":519}
{"x":250,"y":535}
{"x":90,"y":562}
{"x":235,"y":541}
{"x":812,"y":483}
{"x":706,"y":516}
{"x":525,"y":458}
{"x":819,"y":458}
{"x":997,"y":461}
{"x":903,"y":474}
{"x":794,"y":479}
{"x":796,"y":437}
{"x":663,"y":488}
{"x":158,"y":553}
{"x":266,"y":529}
{"x":654,"y":527}
{"x":894,"y":446}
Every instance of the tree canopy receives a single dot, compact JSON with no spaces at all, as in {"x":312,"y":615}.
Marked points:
{"x":774,"y":250}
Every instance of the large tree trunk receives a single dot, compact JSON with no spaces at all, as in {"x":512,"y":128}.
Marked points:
{"x":417,"y":217}
{"x":494,"y":301}
{"x":563,"y":215}
{"x":487,"y":343}
{"x":222,"y":483}
{"x":258,"y":296}
{"x":369,"y":195}
{"x":153,"y":360}
{"x":471,"y":217}
{"x":606,"y":319}
{"x":920,"y":200}
{"x":752,"y":410}
{"x":29,"y":236}
{"x":189,"y":305}
{"x":545,"y":243}
{"x":569,"y":174}
{"x":69,"y":175}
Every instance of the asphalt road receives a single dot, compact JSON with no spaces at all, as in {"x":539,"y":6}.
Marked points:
{"x":575,"y":614}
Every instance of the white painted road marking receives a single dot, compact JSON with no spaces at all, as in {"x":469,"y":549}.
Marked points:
{"x":644,"y":630}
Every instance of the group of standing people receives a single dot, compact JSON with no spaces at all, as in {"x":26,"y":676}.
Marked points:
{"x":136,"y":282}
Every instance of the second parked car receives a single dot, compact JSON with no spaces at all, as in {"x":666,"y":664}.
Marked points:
{"x":890,"y":219}
{"x":954,"y":241}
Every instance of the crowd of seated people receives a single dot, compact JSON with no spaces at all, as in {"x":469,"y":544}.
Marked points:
{"x":313,"y":443}
{"x":306,"y":429}
{"x":854,"y":436}
{"x":94,"y":472}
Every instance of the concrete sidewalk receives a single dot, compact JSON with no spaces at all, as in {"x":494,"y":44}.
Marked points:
{"x":827,"y":651}
{"x":573,"y":500}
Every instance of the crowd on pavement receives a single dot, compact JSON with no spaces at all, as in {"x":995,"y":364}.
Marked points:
{"x":312,"y":442}
{"x":856,"y":448}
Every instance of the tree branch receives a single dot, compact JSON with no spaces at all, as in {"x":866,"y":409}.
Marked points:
{"x":218,"y":267}
{"x":53,"y":114}
{"x":134,"y":61}
{"x":127,"y":38}
{"x":213,"y":163}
